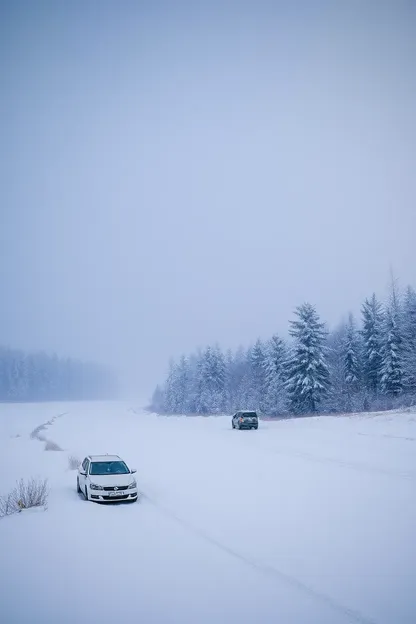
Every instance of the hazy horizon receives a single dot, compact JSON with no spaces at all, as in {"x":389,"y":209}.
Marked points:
{"x":175,"y":176}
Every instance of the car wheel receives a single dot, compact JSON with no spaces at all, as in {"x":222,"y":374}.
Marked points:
{"x":232,"y":424}
{"x":78,"y":488}
{"x":86,"y":493}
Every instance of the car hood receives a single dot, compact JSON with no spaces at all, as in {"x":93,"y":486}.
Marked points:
{"x":112,"y":480}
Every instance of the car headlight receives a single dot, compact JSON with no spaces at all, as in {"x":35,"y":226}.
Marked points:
{"x":94,"y":486}
{"x":132,"y":485}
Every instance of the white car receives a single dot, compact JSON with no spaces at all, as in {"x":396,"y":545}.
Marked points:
{"x":105,"y":478}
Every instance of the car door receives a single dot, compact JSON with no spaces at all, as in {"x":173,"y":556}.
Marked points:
{"x":87,"y":469}
{"x":81,"y":476}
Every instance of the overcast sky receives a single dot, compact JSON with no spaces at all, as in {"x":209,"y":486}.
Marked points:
{"x":175,"y":173}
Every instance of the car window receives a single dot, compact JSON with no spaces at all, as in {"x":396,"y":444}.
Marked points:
{"x":109,"y":468}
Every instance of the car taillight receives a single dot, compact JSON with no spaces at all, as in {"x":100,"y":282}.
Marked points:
{"x":241,"y":420}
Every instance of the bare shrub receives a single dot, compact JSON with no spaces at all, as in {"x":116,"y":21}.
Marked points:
{"x":52,"y":446}
{"x":73,"y":462}
{"x":26,"y":494}
{"x":8,"y":505}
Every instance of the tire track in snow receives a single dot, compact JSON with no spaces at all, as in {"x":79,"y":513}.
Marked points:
{"x":353,"y":614}
{"x":353,"y":465}
{"x":37,"y":435}
{"x":387,"y":435}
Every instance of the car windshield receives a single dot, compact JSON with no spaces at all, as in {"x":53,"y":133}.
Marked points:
{"x":109,"y":468}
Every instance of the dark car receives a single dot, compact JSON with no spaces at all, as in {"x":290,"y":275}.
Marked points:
{"x":245,"y":420}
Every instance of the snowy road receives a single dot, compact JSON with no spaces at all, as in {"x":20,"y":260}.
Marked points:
{"x":308,"y":521}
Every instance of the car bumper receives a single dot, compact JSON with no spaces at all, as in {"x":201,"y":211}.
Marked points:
{"x":248,"y":425}
{"x":106,"y":497}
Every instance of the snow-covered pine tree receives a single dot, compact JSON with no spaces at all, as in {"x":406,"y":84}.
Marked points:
{"x":352,"y":364}
{"x":256,"y":391}
{"x":372,"y":318}
{"x":307,"y":371}
{"x":274,"y":401}
{"x":336,"y":401}
{"x":182,"y":385}
{"x":158,"y":400}
{"x":14,"y":377}
{"x":171,"y":389}
{"x":194,"y":361}
{"x":229,"y":390}
{"x":219,"y":379}
{"x":409,"y":341}
{"x":211,"y":382}
{"x":240,"y":380}
{"x":392,"y":350}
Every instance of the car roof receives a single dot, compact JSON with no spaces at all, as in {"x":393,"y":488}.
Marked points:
{"x":100,"y":458}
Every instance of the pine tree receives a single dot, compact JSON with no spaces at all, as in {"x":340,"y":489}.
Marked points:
{"x":240,"y":380}
{"x":158,"y":400}
{"x":171,"y":389}
{"x":352,"y":367}
{"x":256,"y":359}
{"x":211,"y":382}
{"x":182,"y":384}
{"x":351,"y":364}
{"x":409,"y":341}
{"x":336,"y":400}
{"x":392,"y":366}
{"x":274,"y":362}
{"x":307,"y":371}
{"x":229,"y":390}
{"x":219,"y":380}
{"x":372,"y":343}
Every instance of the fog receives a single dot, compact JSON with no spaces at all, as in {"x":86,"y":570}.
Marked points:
{"x":173,"y":175}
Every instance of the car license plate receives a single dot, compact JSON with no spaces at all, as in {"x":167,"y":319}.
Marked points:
{"x":118,"y":493}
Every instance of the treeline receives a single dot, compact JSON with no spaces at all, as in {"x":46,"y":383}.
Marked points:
{"x":362,"y":365}
{"x":43,"y":377}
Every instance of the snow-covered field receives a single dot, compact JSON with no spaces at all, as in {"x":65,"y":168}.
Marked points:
{"x":307,"y":521}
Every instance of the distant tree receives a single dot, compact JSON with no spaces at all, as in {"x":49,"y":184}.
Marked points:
{"x":211,"y":382}
{"x":392,"y":348}
{"x":230,"y":387}
{"x":240,"y":380}
{"x":255,"y":375}
{"x":41,"y":377}
{"x":336,"y":398}
{"x":352,"y":364}
{"x":183,"y":381}
{"x":307,"y":370}
{"x":274,"y":401}
{"x":372,"y":314}
{"x":409,"y":341}
{"x":171,"y":389}
{"x":158,"y":399}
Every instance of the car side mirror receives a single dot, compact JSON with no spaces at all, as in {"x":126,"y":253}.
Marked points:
{"x":133,"y":470}
{"x":83,"y":473}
